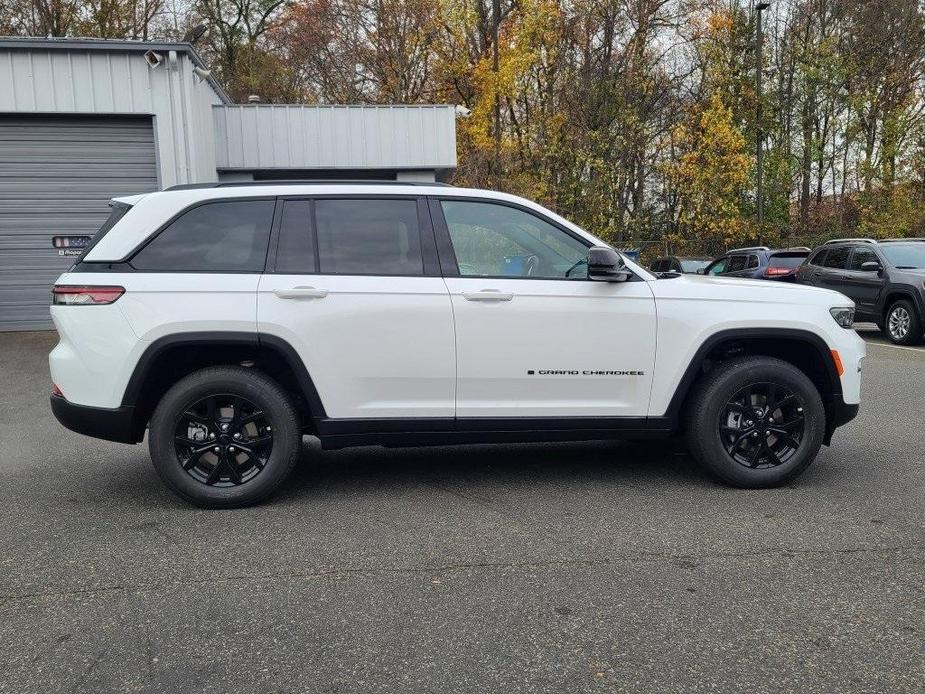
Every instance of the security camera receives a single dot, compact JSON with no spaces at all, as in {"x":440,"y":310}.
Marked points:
{"x":463,"y":112}
{"x":153,"y":58}
{"x":202,"y":73}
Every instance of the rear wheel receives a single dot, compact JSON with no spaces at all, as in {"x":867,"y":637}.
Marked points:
{"x":224,"y":437}
{"x":903,"y":326}
{"x":755,"y":422}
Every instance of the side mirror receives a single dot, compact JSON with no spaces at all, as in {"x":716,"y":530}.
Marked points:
{"x":870,"y":266}
{"x":606,"y":265}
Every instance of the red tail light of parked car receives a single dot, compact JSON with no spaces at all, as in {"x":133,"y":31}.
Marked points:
{"x":64,"y":295}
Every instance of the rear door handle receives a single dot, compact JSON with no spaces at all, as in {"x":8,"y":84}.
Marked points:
{"x":301,"y":293}
{"x":487,"y":295}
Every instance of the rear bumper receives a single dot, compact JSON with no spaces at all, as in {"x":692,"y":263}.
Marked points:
{"x":98,"y":422}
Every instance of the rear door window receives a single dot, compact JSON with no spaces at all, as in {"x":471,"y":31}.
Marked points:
{"x":837,"y":258}
{"x":737,"y":263}
{"x":368,"y":237}
{"x":227,"y":236}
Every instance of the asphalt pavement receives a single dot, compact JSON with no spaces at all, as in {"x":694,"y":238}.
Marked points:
{"x":603,"y":567}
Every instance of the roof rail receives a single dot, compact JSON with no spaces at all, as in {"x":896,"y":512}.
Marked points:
{"x":307,"y":182}
{"x":795,"y":248}
{"x":849,"y":241}
{"x":911,"y":238}
{"x":749,"y":248}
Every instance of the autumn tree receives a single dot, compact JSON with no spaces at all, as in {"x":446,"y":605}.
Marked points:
{"x":238,"y":48}
{"x":635,"y":118}
{"x":711,"y":175}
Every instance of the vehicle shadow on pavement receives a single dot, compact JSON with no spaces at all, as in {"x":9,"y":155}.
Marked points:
{"x":616,"y":462}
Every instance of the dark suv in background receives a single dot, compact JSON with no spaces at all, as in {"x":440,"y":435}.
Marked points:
{"x":886,"y":280}
{"x":758,"y":262}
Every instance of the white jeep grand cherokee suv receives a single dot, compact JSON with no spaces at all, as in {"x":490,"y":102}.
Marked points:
{"x":229,"y":320}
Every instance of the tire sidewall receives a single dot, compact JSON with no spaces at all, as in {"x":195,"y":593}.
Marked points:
{"x":706,"y":422}
{"x":252,"y":386}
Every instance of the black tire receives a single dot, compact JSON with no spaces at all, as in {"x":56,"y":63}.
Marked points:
{"x":242,"y":400}
{"x":903,"y":325}
{"x":723,"y":394}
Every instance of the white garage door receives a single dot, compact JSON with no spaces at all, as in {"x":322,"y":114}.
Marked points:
{"x":57,"y":174}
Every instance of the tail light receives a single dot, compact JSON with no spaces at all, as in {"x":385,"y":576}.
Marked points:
{"x":777,"y":271}
{"x":64,"y":295}
{"x":56,"y":390}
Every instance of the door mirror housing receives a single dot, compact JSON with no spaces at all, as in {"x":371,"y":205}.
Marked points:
{"x":606,"y":265}
{"x":870,"y":266}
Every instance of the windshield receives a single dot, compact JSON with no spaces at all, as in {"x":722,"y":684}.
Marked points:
{"x":693,"y":265}
{"x":904,"y":255}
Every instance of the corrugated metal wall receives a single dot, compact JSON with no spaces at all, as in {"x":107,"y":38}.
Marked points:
{"x":334,"y":137}
{"x":57,"y":174}
{"x":68,"y":79}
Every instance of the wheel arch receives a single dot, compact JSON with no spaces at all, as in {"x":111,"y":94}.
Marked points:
{"x":172,"y":357}
{"x":804,"y":349}
{"x":898,"y":294}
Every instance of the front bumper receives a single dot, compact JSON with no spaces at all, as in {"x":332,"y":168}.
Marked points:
{"x":838,"y":414}
{"x":99,"y":422}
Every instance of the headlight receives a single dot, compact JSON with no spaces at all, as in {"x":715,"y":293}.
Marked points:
{"x":843,"y":316}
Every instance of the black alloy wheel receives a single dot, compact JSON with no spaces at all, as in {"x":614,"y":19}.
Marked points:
{"x":762,"y":425}
{"x":223,"y":440}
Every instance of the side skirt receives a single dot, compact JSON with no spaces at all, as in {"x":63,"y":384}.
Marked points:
{"x":400,"y":433}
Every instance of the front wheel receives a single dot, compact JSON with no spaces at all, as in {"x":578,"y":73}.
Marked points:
{"x":755,"y":422}
{"x":224,"y":437}
{"x":903,"y":326}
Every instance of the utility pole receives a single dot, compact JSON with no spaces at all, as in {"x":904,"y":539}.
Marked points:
{"x":496,"y":21}
{"x":759,"y":88}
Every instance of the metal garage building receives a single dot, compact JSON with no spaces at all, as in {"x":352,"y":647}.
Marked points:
{"x":85,"y":120}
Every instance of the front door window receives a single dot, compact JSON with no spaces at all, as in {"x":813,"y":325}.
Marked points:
{"x":492,"y":240}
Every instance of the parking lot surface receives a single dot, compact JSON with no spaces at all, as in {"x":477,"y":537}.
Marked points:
{"x":604,"y":567}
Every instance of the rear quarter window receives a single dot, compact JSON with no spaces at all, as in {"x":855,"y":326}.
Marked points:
{"x":117,"y":211}
{"x":226,"y":236}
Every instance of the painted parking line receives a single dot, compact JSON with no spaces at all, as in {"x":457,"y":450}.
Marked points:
{"x":920,"y":350}
{"x":879,"y":343}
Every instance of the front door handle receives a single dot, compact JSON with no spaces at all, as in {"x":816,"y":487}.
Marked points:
{"x":301,"y":293}
{"x":487,"y":295}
